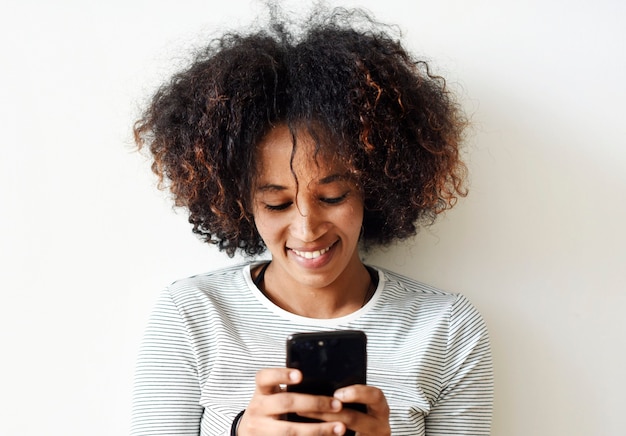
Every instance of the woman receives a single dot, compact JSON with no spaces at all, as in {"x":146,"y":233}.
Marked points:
{"x":309,"y":145}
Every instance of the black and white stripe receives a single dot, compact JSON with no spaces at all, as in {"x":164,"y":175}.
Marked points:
{"x":209,"y":334}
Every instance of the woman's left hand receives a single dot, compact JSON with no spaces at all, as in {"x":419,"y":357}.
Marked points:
{"x":373,"y":423}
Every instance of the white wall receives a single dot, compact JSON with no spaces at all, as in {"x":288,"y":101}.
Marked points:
{"x":86,"y":242}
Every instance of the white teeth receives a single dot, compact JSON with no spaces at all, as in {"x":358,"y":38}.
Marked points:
{"x":311,"y":254}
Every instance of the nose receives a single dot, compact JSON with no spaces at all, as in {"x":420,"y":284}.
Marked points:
{"x":308,"y":222}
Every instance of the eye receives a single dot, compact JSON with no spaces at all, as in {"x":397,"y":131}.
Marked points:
{"x":277,"y":207}
{"x":334,"y":200}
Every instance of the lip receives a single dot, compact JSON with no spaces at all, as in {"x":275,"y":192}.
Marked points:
{"x":313,"y":257}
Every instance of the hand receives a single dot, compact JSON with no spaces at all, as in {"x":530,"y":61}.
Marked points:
{"x":374,"y":423}
{"x":269,"y":402}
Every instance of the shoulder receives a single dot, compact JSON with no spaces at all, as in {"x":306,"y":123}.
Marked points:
{"x":217,"y":284}
{"x":398,"y":286}
{"x":413,"y":295}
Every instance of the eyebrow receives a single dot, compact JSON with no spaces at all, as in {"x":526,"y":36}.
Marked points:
{"x":334,"y":178}
{"x":272,"y":187}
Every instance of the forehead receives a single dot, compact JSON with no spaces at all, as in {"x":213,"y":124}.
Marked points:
{"x":285,"y":152}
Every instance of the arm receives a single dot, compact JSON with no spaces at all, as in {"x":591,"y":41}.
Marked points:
{"x":465,"y":403}
{"x":167,"y":392}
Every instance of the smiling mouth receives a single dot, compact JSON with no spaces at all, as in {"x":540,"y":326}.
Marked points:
{"x":312,"y":254}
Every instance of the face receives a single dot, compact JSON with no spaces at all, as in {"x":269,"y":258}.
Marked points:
{"x":310,"y":225}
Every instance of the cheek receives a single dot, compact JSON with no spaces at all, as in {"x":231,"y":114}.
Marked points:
{"x":352,"y":219}
{"x":267,"y":227}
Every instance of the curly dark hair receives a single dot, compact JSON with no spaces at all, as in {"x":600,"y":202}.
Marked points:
{"x":343,"y":78}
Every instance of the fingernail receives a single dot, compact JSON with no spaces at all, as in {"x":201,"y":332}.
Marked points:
{"x":294,"y":376}
{"x":338,"y":429}
{"x":339,"y":395}
{"x":335,"y":405}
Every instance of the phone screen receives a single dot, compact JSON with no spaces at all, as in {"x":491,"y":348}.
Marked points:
{"x":328,"y":361}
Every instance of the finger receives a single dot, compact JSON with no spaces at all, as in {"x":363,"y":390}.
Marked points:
{"x":326,"y":428}
{"x":268,"y":381}
{"x":353,"y":419}
{"x":272,"y":427}
{"x":289,"y":402}
{"x":373,"y":423}
{"x":371,"y":396}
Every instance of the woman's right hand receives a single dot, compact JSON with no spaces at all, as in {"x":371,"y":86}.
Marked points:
{"x":270,"y":402}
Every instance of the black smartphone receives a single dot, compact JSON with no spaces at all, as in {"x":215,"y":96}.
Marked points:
{"x":328,"y":361}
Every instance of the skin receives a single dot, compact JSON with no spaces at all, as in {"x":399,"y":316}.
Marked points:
{"x":310,"y":222}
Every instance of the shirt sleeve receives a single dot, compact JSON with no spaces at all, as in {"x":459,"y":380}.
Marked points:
{"x":465,"y":403}
{"x":166,"y":395}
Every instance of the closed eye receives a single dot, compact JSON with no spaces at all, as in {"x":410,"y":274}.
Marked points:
{"x":276,"y":207}
{"x":334,"y":200}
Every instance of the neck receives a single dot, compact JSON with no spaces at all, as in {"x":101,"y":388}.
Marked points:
{"x":346,"y":294}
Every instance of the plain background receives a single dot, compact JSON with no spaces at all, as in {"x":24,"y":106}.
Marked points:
{"x":87,"y":242}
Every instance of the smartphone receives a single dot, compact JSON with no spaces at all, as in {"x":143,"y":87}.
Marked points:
{"x":328,"y":361}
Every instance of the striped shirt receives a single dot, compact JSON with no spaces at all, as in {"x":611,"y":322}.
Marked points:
{"x":428,"y":351}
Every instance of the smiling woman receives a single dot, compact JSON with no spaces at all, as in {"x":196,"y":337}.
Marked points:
{"x":309,"y":212}
{"x":309,"y":144}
